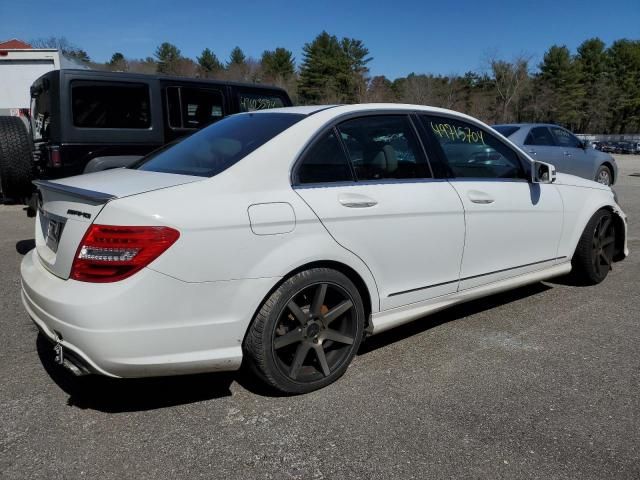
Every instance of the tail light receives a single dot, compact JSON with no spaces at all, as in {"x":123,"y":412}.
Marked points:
{"x":112,"y":253}
{"x":54,"y":157}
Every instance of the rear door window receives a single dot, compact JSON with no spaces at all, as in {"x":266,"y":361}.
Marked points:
{"x":110,"y":105}
{"x":324,"y":162}
{"x":540,"y":136}
{"x":506,"y":130}
{"x":194,"y":108}
{"x":383,"y":147}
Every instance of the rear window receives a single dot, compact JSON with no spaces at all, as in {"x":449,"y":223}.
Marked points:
{"x":41,"y":111}
{"x":219,"y":146}
{"x":506,"y":130}
{"x":110,"y":105}
{"x":250,"y":102}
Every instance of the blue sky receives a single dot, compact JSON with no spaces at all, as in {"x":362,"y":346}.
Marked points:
{"x":442,"y":37}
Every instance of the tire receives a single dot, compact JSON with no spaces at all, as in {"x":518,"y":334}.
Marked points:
{"x":594,"y":253}
{"x":604,"y":176}
{"x":16,"y":170}
{"x":306,"y":332}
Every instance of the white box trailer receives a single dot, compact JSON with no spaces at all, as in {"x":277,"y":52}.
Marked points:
{"x":19,"y":68}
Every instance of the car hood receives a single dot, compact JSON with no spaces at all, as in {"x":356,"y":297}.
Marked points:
{"x":567,"y":179}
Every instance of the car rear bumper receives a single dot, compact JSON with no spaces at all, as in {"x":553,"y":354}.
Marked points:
{"x":148,"y":325}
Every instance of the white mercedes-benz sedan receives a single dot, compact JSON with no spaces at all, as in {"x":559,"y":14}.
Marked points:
{"x":284,"y":237}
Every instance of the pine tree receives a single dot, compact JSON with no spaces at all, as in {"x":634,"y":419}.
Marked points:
{"x":237,"y":57}
{"x":560,"y":75}
{"x":209,"y":63}
{"x":278,"y":63}
{"x":333,"y":70}
{"x":169,"y":57}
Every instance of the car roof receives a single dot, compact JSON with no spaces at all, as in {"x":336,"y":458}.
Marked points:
{"x":520,"y":125}
{"x":159,"y":76}
{"x":366,"y":107}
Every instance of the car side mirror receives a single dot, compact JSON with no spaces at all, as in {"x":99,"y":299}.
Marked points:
{"x":542,"y":172}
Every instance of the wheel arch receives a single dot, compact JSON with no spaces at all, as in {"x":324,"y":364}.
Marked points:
{"x":609,"y":165}
{"x":620,"y":227}
{"x":621,"y":233}
{"x":368,"y":297}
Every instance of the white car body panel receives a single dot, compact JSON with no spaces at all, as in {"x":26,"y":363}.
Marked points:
{"x":245,"y":229}
{"x":404,"y":246}
{"x":514,"y":233}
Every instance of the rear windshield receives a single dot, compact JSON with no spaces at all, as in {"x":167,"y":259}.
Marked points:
{"x":506,"y":130}
{"x":217,"y":147}
{"x":250,"y":102}
{"x":41,"y":110}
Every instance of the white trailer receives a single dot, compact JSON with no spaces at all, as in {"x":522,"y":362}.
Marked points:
{"x":19,"y":68}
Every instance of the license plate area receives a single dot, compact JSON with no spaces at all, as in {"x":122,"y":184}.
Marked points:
{"x":53,"y":233}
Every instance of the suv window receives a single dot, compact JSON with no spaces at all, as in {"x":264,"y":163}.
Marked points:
{"x":110,"y":105}
{"x":325,"y":162}
{"x":250,"y":102}
{"x":565,"y":138}
{"x":193,"y":108}
{"x":471,"y":152}
{"x":383,"y":146}
{"x":539,"y":136}
{"x":212,"y":150}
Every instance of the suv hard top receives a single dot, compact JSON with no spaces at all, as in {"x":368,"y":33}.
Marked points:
{"x":86,"y":120}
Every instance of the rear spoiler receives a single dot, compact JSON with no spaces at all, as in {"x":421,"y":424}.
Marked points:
{"x":99,"y":197}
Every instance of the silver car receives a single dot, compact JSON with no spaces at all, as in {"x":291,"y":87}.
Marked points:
{"x":557,"y":145}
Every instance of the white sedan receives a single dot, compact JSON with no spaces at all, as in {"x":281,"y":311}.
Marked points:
{"x":284,"y":237}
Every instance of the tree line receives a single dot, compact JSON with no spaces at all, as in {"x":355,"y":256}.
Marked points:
{"x":595,"y":89}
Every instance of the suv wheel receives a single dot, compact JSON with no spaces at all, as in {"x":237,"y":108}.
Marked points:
{"x":307,"y":331}
{"x":16,"y":170}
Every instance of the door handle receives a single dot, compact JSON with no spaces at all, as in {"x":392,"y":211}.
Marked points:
{"x":567,"y":154}
{"x":355,"y":200}
{"x":480,"y":197}
{"x":532,"y":152}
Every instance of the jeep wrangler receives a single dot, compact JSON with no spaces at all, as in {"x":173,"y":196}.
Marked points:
{"x":85,"y":120}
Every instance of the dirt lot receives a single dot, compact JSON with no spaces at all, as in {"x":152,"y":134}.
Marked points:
{"x":542,"y":382}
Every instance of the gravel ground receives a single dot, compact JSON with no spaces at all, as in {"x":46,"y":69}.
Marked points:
{"x":541,"y":382}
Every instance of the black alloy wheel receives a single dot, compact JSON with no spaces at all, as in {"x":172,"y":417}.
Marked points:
{"x":307,"y":331}
{"x":595,"y":251}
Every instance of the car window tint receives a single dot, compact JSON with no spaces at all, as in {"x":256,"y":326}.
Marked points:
{"x":250,"y":102}
{"x":325,"y":162}
{"x":193,"y":108}
{"x":110,"y":105}
{"x":471,"y":152}
{"x":382,"y":147}
{"x":564,"y":138}
{"x":539,"y":136}
{"x":506,"y":130}
{"x":217,"y":147}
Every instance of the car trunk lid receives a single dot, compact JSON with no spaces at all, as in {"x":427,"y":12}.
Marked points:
{"x":67,"y":207}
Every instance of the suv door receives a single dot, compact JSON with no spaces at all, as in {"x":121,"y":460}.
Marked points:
{"x":513,"y":226}
{"x":368,"y":181}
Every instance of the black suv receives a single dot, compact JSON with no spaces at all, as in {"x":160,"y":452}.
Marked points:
{"x":84,"y":120}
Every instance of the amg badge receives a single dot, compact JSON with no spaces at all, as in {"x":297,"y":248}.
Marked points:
{"x":78,"y":213}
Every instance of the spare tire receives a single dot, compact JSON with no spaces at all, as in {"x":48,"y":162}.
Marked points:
{"x":16,"y":166}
